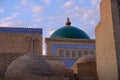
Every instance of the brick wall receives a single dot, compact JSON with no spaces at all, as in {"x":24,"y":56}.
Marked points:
{"x":19,"y":43}
{"x":108,"y":41}
{"x":87,"y":70}
{"x":13,"y":45}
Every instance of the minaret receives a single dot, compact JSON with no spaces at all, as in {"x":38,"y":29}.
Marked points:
{"x":68,"y":23}
{"x":108,"y":41}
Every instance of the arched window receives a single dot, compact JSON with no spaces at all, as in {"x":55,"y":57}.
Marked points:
{"x":79,"y":53}
{"x":73,"y":53}
{"x":67,"y":53}
{"x":61,"y":53}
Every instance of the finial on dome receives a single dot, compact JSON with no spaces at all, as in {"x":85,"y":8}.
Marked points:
{"x":68,"y":23}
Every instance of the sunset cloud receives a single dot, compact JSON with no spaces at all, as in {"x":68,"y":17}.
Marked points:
{"x":23,"y":2}
{"x":9,"y":18}
{"x":51,"y":31}
{"x":67,"y":4}
{"x":11,"y":24}
{"x":46,"y":1}
{"x":37,"y":20}
{"x":6,"y":24}
{"x":37,"y":9}
{"x":95,"y":2}
{"x":92,"y":22}
{"x":7,"y":21}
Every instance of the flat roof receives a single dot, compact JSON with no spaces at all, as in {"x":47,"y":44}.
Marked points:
{"x":21,"y":30}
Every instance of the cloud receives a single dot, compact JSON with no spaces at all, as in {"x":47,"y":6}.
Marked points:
{"x":51,"y":32}
{"x":1,"y":10}
{"x":30,"y":7}
{"x":11,"y":23}
{"x":18,"y":7}
{"x":37,"y":20}
{"x":95,"y":2}
{"x":89,"y":14}
{"x":37,"y":9}
{"x":6,"y":24}
{"x":67,"y":4}
{"x":24,"y":2}
{"x":9,"y":18}
{"x":46,"y":1}
{"x":92,"y":22}
{"x":25,"y":5}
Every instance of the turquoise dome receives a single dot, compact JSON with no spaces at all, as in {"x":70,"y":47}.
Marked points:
{"x":69,"y":32}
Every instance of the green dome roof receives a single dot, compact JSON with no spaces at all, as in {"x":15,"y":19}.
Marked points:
{"x":69,"y":32}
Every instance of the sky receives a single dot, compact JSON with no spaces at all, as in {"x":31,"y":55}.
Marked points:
{"x":50,"y":15}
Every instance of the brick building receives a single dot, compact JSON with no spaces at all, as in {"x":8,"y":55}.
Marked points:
{"x":108,"y":41}
{"x":65,"y":46}
{"x":70,"y":43}
{"x":15,"y":42}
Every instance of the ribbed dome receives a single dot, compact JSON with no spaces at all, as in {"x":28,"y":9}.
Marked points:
{"x":33,"y":67}
{"x":28,"y":67}
{"x":69,"y":32}
{"x":85,"y":63}
{"x":86,"y":59}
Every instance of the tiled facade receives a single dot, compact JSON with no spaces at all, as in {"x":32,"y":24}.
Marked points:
{"x":72,"y":50}
{"x":108,"y":41}
{"x":69,"y":50}
{"x":17,"y":41}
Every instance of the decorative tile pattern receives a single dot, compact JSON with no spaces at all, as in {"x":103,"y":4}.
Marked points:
{"x":69,"y":62}
{"x":69,"y":46}
{"x":21,"y":30}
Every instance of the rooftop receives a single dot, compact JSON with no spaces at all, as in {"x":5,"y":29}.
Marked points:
{"x":21,"y":30}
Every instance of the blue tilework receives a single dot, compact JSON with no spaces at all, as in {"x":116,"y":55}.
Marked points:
{"x":69,"y":62}
{"x":21,"y":30}
{"x":69,"y":46}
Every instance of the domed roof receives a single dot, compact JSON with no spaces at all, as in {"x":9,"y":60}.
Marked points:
{"x":32,"y":67}
{"x":69,"y":31}
{"x":86,"y":58}
{"x":28,"y":66}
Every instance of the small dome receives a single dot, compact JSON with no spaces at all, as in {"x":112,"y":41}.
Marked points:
{"x":33,"y":67}
{"x":86,"y":59}
{"x":69,"y":31}
{"x":27,"y":67}
{"x":86,"y":67}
